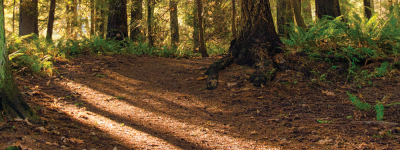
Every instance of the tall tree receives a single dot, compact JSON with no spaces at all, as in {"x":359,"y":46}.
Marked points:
{"x":202,"y":48}
{"x":257,"y":45}
{"x":117,"y":19}
{"x":101,"y":16}
{"x":196,"y":34}
{"x":330,"y":8}
{"x":28,"y":17}
{"x":92,"y":17}
{"x":68,"y":18}
{"x":12,"y":104}
{"x":296,"y":4}
{"x":367,"y":8}
{"x":136,"y":17}
{"x":74,"y":23}
{"x":284,"y":16}
{"x":174,"y":24}
{"x":150,"y":11}
{"x":50,"y":23}
{"x":234,"y":19}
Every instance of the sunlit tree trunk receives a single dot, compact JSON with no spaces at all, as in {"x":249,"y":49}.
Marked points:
{"x":174,"y":24}
{"x":50,"y":23}
{"x":12,"y":104}
{"x":117,"y":19}
{"x":296,"y":4}
{"x":202,"y":48}
{"x":136,"y":17}
{"x":330,"y":8}
{"x":28,"y":17}
{"x":68,"y":19}
{"x":74,"y":25}
{"x":257,"y":45}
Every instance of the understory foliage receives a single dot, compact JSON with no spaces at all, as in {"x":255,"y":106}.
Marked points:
{"x":36,"y":55}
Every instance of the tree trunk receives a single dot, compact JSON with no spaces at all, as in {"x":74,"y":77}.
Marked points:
{"x":74,"y":25}
{"x":330,"y":8}
{"x":150,"y":10}
{"x":12,"y":104}
{"x":367,"y":8}
{"x":307,"y":12}
{"x":372,"y":5}
{"x":28,"y":17}
{"x":92,"y":17}
{"x":202,"y":48}
{"x":296,"y":4}
{"x":101,"y":11}
{"x":196,"y":33}
{"x":173,"y":6}
{"x":68,"y":19}
{"x":13,"y":18}
{"x":117,"y":20}
{"x":234,"y":19}
{"x":257,"y":45}
{"x":136,"y":17}
{"x":51,"y":20}
{"x":285,"y":15}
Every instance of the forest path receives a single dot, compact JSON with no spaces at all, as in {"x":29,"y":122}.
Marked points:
{"x":130,"y":102}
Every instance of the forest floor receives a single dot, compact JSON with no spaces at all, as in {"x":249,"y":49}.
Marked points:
{"x":142,"y":102}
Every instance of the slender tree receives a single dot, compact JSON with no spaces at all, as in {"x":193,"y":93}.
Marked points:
{"x":28,"y":17}
{"x":101,"y":17}
{"x":296,"y":4}
{"x":284,"y":16}
{"x":68,"y":18}
{"x":92,"y":17}
{"x":50,"y":23}
{"x":257,"y":45}
{"x":12,"y":104}
{"x":196,"y":33}
{"x":150,"y":11}
{"x":174,"y":24}
{"x":367,"y":8}
{"x":117,"y":19}
{"x":330,"y":8}
{"x":136,"y":17}
{"x":202,"y":49}
{"x":234,"y":19}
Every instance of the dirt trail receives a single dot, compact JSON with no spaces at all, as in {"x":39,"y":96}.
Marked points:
{"x":129,"y":102}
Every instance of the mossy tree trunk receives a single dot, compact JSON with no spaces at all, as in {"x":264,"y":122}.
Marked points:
{"x":367,"y":8}
{"x":136,"y":17}
{"x":12,"y":103}
{"x":257,"y":45}
{"x":28,"y":17}
{"x":284,"y":16}
{"x":296,"y":4}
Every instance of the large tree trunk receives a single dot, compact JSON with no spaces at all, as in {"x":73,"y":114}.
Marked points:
{"x":173,"y":6}
{"x":296,"y":4}
{"x":51,"y":20}
{"x":367,"y":8}
{"x":28,"y":17}
{"x":136,"y":17}
{"x":101,"y":11}
{"x":196,"y":33}
{"x":257,"y":45}
{"x":117,"y":20}
{"x":330,"y":8}
{"x":12,"y":104}
{"x":202,"y":48}
{"x":150,"y":11}
{"x":284,"y":16}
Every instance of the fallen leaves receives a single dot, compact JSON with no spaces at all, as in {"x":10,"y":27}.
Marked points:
{"x":202,"y":78}
{"x":328,"y":93}
{"x":72,"y":140}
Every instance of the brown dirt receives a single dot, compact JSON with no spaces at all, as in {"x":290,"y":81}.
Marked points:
{"x":130,"y":102}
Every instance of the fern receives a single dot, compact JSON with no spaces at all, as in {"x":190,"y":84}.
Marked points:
{"x":379,"y":108}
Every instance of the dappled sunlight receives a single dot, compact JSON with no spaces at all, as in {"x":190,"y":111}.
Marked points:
{"x":133,"y":125}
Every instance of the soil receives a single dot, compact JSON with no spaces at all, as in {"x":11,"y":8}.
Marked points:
{"x":142,"y":102}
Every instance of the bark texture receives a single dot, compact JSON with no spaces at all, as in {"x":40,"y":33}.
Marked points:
{"x":196,"y":34}
{"x":330,"y":8}
{"x":202,"y":48}
{"x":101,"y":17}
{"x":284,"y":16}
{"x":28,"y":17}
{"x":174,"y":24}
{"x":234,"y":19}
{"x":257,"y":45}
{"x":136,"y":17}
{"x":367,"y":8}
{"x":150,"y":11}
{"x":12,"y":104}
{"x":92,"y":17}
{"x":117,"y":25}
{"x":296,"y":4}
{"x":50,"y":23}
